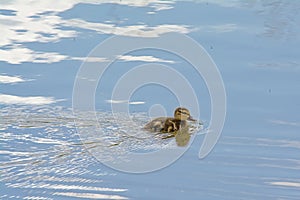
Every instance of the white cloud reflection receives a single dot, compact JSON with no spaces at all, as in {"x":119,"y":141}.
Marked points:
{"x":111,"y":101}
{"x":155,"y":4}
{"x":11,"y":79}
{"x":90,"y":59}
{"x":38,"y":21}
{"x":19,"y":54}
{"x":143,"y":58}
{"x":33,"y":100}
{"x":286,"y":184}
{"x":132,"y":30}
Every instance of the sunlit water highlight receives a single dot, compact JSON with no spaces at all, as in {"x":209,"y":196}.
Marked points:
{"x":41,"y":149}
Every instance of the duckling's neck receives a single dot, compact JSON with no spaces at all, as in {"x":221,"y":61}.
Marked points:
{"x":179,"y":118}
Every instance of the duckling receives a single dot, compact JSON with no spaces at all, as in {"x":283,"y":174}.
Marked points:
{"x":170,"y":124}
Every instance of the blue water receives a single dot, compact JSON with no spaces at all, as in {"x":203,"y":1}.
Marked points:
{"x":255,"y":46}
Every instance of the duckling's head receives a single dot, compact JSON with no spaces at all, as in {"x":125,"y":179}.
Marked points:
{"x":183,"y":114}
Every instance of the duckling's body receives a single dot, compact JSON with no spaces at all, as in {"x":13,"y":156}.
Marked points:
{"x":170,"y":124}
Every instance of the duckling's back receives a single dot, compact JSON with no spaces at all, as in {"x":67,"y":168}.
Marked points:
{"x":156,"y":125}
{"x":172,"y":125}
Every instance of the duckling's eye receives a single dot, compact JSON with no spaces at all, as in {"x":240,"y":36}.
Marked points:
{"x":182,"y":112}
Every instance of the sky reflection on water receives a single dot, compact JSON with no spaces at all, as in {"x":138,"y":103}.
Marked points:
{"x":255,"y":44}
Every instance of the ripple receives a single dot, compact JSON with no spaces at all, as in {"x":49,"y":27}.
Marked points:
{"x":41,"y":150}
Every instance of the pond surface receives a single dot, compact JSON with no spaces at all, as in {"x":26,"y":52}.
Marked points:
{"x":255,"y":45}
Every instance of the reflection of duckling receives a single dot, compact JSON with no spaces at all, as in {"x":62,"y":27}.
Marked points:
{"x":182,"y":137}
{"x":169,"y":124}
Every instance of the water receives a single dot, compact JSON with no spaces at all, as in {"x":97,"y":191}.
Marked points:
{"x":255,"y":45}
